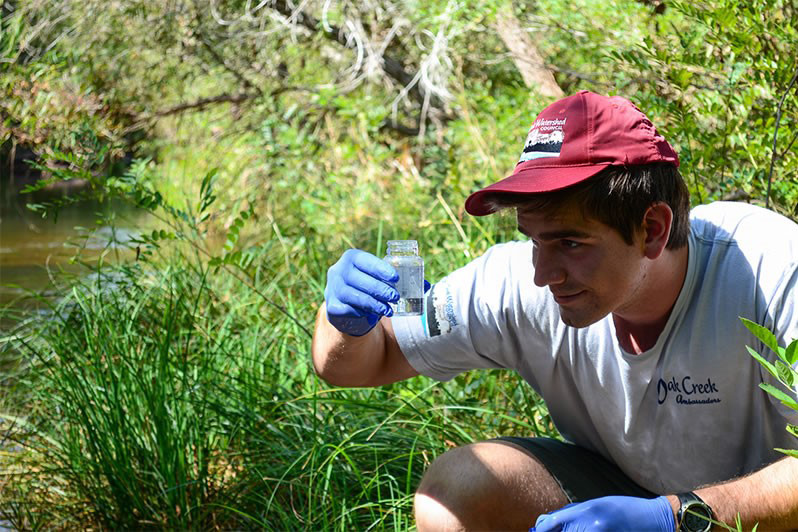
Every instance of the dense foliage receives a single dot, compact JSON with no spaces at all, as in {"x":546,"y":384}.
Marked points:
{"x":174,"y":389}
{"x":422,"y":94}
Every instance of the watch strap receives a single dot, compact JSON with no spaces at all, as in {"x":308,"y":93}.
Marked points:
{"x":691,"y":500}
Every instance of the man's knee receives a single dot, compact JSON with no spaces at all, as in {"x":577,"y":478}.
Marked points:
{"x":450,"y":491}
{"x":482,"y":486}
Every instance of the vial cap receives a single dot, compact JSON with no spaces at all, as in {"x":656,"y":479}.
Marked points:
{"x":403,"y":246}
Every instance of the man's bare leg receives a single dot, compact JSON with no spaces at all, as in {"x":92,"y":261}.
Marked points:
{"x":491,"y":485}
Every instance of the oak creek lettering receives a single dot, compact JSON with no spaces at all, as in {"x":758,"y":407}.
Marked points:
{"x":688,"y":392}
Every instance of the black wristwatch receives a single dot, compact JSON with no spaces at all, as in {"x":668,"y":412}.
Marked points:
{"x":694,"y":514}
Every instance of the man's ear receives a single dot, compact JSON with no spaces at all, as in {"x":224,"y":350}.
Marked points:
{"x":657,"y":224}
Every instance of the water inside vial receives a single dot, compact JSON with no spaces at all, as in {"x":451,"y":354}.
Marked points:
{"x":411,"y":290}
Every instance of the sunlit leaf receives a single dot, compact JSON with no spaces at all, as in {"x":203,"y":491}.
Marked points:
{"x":791,"y":353}
{"x":786,"y":373}
{"x":764,"y":334}
{"x":789,"y":452}
{"x":780,"y":395}
{"x":767,"y":365}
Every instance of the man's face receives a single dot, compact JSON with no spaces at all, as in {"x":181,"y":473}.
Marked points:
{"x":590,"y":270}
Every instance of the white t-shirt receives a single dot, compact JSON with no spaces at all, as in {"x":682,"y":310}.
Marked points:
{"x":685,"y":413}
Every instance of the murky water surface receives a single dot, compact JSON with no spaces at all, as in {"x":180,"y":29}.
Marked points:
{"x":33,"y":250}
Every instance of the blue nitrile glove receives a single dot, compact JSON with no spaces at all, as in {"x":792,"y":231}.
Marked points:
{"x":614,"y":513}
{"x":358,"y":292}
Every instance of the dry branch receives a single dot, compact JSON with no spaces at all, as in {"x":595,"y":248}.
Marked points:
{"x":392,"y":67}
{"x":525,"y":55}
{"x":774,"y":154}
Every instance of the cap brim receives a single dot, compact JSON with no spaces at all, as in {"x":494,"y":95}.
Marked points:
{"x":531,"y":181}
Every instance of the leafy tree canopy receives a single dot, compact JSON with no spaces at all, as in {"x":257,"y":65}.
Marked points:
{"x":373,"y":80}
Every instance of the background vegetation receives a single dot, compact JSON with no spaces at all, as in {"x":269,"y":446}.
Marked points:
{"x":171,"y":387}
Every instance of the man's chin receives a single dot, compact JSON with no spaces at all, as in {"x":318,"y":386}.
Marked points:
{"x":579,"y":321}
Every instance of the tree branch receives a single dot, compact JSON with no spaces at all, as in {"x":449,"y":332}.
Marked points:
{"x":773,"y":155}
{"x":525,"y":55}
{"x":200,"y":104}
{"x":408,"y":131}
{"x":204,"y":102}
{"x":787,"y":149}
{"x":217,"y":56}
{"x":219,"y":59}
{"x":392,"y":67}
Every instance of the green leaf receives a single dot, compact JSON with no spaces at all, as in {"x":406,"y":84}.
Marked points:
{"x":780,"y":395}
{"x":785,"y":373}
{"x":207,"y":183}
{"x":764,"y":334}
{"x":789,"y":452}
{"x":791,"y":353}
{"x":206,"y":191}
{"x":792,"y":429}
{"x":767,"y":365}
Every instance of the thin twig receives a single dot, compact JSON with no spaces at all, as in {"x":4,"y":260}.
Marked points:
{"x":774,"y":154}
{"x":220,"y":60}
{"x":218,"y":57}
{"x":408,"y":131}
{"x":204,"y":102}
{"x":787,"y":149}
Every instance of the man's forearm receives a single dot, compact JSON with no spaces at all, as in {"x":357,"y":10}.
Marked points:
{"x":344,"y":360}
{"x":768,"y":497}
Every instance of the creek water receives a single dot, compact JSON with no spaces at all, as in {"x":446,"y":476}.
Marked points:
{"x":33,"y":250}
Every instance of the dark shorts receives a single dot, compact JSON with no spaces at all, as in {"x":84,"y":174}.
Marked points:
{"x":582,"y":474}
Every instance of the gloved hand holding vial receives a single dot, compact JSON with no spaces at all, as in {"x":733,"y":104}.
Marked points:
{"x":361,"y":288}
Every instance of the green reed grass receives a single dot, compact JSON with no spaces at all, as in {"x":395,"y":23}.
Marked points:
{"x":169,"y":397}
{"x":173,"y":392}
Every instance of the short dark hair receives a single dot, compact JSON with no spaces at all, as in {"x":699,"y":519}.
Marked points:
{"x":618,"y":196}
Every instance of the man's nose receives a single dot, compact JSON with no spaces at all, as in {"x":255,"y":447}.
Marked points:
{"x":548,"y":270}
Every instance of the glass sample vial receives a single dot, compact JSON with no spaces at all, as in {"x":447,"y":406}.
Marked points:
{"x":403,"y":255}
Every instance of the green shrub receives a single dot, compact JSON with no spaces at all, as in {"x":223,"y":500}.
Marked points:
{"x":784,"y":370}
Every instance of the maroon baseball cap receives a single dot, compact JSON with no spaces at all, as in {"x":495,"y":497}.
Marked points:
{"x":574,"y":139}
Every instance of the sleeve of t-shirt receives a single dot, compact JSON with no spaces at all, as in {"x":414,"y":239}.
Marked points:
{"x":486,"y":314}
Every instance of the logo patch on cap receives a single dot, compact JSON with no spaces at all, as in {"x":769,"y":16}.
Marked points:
{"x":544,"y":139}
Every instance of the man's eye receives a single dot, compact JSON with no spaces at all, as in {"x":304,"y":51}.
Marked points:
{"x":570,"y":244}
